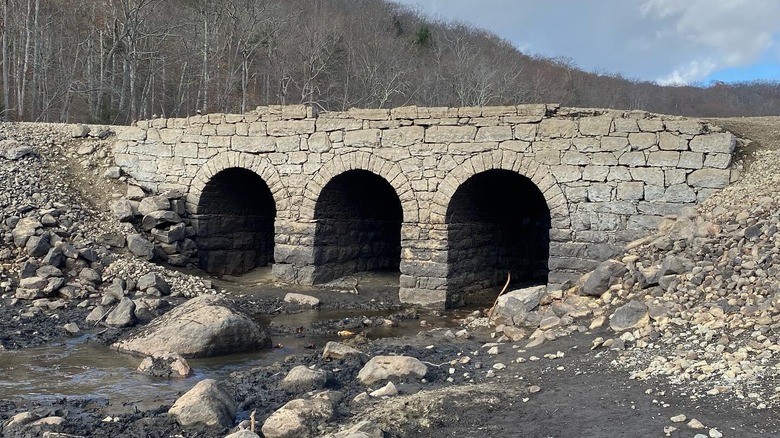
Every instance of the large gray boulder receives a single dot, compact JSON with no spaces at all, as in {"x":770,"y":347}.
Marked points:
{"x":299,"y":417}
{"x":381,"y":368}
{"x":513,"y":307}
{"x":140,"y":247}
{"x":604,"y":276}
{"x":206,"y":404}
{"x":629,"y":316}
{"x":202,"y":327}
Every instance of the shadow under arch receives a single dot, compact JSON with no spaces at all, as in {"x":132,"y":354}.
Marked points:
{"x":235,"y":222}
{"x":498,"y":222}
{"x":359,"y":217}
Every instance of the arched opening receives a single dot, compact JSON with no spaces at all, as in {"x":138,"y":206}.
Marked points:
{"x":498,"y":222}
{"x":235,"y":223}
{"x":358,"y":229}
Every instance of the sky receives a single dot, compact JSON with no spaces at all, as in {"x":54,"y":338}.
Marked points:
{"x":671,"y":42}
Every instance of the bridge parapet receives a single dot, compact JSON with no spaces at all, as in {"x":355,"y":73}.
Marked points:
{"x":606,"y":177}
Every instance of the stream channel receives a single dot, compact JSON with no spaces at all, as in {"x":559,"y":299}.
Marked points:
{"x":82,"y":368}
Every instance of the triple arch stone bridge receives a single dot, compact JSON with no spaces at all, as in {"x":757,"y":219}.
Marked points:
{"x":452,"y":199}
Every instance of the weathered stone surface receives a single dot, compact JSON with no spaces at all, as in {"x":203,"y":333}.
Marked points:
{"x":122,"y":210}
{"x":338,"y":351}
{"x":631,"y":315}
{"x":381,"y":368}
{"x":154,"y":280}
{"x":363,"y":429}
{"x":605,"y":275}
{"x":153,"y":203}
{"x":165,"y":365}
{"x":207,"y":404}
{"x":123,"y":315}
{"x":513,"y":307}
{"x":299,"y":417}
{"x":140,"y":247}
{"x":305,"y":378}
{"x":710,"y":178}
{"x":202,"y":327}
{"x":301,"y":299}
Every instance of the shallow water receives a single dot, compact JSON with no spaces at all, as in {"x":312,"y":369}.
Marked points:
{"x":84,"y":369}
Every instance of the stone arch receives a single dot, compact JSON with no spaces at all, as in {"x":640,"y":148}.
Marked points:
{"x":540,"y":174}
{"x":234,"y":203}
{"x":389,"y":171}
{"x":230,"y":159}
{"x":487,"y":237}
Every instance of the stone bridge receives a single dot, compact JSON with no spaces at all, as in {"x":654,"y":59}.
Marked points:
{"x":450,"y":198}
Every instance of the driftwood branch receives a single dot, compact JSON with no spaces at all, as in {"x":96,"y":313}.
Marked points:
{"x":493,"y":308}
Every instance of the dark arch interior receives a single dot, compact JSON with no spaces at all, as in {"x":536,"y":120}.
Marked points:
{"x":358,"y":228}
{"x":498,"y":222}
{"x":235,"y":223}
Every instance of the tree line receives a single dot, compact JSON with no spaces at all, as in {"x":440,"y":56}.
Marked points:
{"x":116,"y":61}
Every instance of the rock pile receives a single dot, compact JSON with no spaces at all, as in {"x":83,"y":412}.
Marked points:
{"x":161,"y":232}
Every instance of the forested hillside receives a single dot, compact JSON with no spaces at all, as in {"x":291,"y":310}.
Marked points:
{"x":115,"y":61}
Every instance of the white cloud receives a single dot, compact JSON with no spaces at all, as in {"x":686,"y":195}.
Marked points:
{"x":694,"y":71}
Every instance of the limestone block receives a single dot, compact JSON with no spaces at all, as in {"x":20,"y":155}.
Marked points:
{"x":630,"y":191}
{"x":471,"y":148}
{"x":603,"y":159}
{"x":718,"y":161}
{"x":595,"y":173}
{"x":566,"y":173}
{"x":450,"y":134}
{"x":131,"y":133}
{"x":648,"y":175}
{"x":404,"y":136}
{"x":327,"y":125}
{"x":691,"y":160}
{"x":252,"y":144}
{"x":633,"y":159}
{"x":601,"y":125}
{"x":319,"y":142}
{"x":288,"y":144}
{"x":626,"y":126}
{"x":363,"y":138}
{"x":663,"y":159}
{"x":242,"y":128}
{"x":295,"y":111}
{"x":549,"y":157}
{"x":619,"y":173}
{"x":558,"y":128}
{"x":575,"y":158}
{"x":671,"y":142}
{"x":226,"y":129}
{"x":219,"y":141}
{"x":587,"y":144}
{"x":258,"y":128}
{"x":494,"y":133}
{"x":494,"y":111}
{"x":719,"y":143}
{"x":642,"y":140}
{"x":643,"y":222}
{"x":405,"y":112}
{"x":680,"y":193}
{"x":515,"y":146}
{"x":674,"y":176}
{"x":599,"y":193}
{"x":654,"y":192}
{"x":525,"y":131}
{"x":284,"y":128}
{"x":614,"y":144}
{"x":650,"y":125}
{"x":690,"y":127}
{"x":710,"y":178}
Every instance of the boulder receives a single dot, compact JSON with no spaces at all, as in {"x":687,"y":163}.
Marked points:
{"x":299,"y":417}
{"x":38,"y":246}
{"x":122,"y":210}
{"x":153,"y":203}
{"x":140,"y":247}
{"x":382,"y":368}
{"x":24,"y":229}
{"x":628,"y":316}
{"x":338,"y":351}
{"x":305,"y":378}
{"x":244,"y":433}
{"x":12,"y":150}
{"x":513,"y":307}
{"x":123,"y":315}
{"x":153,"y":280}
{"x":55,"y":257}
{"x":165,"y":365}
{"x":113,"y":172}
{"x":159,"y":219}
{"x":79,"y":131}
{"x":303,"y":300}
{"x":363,"y":429}
{"x":604,"y":276}
{"x":207,"y":404}
{"x":202,"y":327}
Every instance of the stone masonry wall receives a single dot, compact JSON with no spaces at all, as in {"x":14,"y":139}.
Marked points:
{"x":607,"y":176}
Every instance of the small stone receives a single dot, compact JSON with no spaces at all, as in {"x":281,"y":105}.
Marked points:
{"x":678,"y":418}
{"x":534,"y":389}
{"x":695,"y":424}
{"x":715,"y":433}
{"x":388,"y":390}
{"x":71,"y":328}
{"x":301,"y":299}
